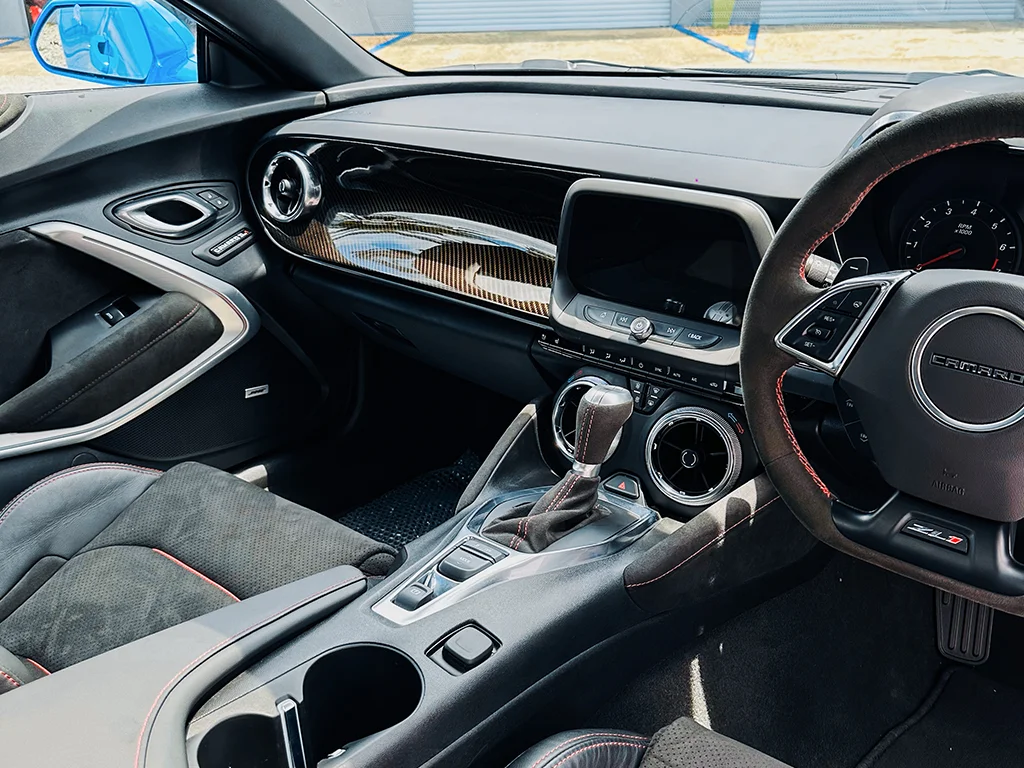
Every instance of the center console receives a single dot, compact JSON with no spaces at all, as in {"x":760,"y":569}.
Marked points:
{"x":648,"y":292}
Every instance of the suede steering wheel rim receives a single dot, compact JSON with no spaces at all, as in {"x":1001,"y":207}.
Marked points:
{"x":780,"y":292}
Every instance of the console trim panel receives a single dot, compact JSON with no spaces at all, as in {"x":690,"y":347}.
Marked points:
{"x":514,"y":565}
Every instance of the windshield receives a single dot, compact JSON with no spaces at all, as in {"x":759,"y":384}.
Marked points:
{"x":829,"y":35}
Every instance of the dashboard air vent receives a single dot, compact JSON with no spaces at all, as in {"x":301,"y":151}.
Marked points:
{"x":693,"y":456}
{"x":291,"y":188}
{"x":563,"y":416}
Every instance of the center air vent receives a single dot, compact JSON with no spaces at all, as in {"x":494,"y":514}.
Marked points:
{"x":290,"y":187}
{"x":693,"y":456}
{"x":563,"y":417}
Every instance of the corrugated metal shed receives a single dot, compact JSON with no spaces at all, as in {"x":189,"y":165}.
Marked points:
{"x":495,"y":15}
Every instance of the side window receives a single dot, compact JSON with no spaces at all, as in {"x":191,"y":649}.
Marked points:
{"x":51,"y":45}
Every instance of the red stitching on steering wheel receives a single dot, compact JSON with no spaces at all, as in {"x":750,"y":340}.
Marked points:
{"x":803,"y":276}
{"x":873,"y":184}
{"x":794,"y":443}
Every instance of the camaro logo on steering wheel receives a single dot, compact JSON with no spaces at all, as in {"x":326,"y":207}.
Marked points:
{"x":977,"y":369}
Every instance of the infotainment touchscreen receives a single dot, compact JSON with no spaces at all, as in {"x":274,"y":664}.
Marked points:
{"x":661,"y":256}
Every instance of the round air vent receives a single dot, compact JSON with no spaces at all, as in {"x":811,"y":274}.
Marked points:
{"x":290,"y":187}
{"x":563,"y":417}
{"x":693,"y":456}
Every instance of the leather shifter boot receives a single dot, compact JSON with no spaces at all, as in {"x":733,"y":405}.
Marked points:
{"x":571,"y":502}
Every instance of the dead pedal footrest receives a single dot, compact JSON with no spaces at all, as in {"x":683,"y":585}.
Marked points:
{"x":964,"y":628}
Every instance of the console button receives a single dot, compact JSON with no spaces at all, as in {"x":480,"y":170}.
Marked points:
{"x":599,"y":316}
{"x":637,"y":387}
{"x":625,"y":360}
{"x":467,"y":648}
{"x":690,"y":337}
{"x":485,"y":548}
{"x":623,"y":320}
{"x":623,"y":485}
{"x":462,"y":564}
{"x":641,"y":365}
{"x":666,"y":330}
{"x":413,"y":596}
{"x":659,"y":369}
{"x":641,"y":329}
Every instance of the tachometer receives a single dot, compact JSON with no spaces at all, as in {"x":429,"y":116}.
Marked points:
{"x":961,"y":234}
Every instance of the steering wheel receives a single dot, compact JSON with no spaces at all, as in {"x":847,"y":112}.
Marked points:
{"x":932,"y":364}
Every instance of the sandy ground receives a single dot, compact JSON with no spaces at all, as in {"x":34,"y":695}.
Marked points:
{"x":889,"y":48}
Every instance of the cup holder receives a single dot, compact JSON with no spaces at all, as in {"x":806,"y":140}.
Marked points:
{"x":347,"y":695}
{"x":247,"y":741}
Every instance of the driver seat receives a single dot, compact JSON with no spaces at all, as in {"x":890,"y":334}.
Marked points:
{"x":99,"y":555}
{"x":682,"y":744}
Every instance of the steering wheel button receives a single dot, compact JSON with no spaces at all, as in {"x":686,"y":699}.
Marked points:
{"x":819,"y":333}
{"x":857,"y":301}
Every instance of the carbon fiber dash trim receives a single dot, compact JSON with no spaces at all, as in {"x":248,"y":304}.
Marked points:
{"x":480,"y":229}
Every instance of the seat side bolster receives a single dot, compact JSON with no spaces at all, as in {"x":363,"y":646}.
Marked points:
{"x":63,"y":512}
{"x":585,"y":749}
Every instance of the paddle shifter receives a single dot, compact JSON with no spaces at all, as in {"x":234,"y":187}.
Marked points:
{"x":572,"y":502}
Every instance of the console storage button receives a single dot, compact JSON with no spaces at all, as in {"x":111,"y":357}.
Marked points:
{"x":462,"y":564}
{"x":467,"y":648}
{"x":413,"y":596}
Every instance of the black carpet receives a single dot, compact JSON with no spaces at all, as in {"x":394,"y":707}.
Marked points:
{"x":968,"y":721}
{"x":414,"y":508}
{"x":813,"y":677}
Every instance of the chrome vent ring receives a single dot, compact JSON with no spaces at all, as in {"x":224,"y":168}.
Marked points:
{"x":291,"y":187}
{"x":694,"y":456}
{"x":563,"y":415}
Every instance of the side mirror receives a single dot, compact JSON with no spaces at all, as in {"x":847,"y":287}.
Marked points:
{"x":114,"y":42}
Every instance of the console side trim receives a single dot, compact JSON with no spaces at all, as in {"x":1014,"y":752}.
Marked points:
{"x":237,"y":316}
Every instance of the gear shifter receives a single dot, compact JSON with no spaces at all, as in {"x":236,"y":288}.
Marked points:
{"x":571,"y":502}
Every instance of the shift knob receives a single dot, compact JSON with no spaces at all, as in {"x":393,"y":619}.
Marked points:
{"x":603,"y":411}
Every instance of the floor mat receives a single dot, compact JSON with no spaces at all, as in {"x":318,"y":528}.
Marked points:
{"x":968,"y":721}
{"x":414,"y":508}
{"x":813,"y":677}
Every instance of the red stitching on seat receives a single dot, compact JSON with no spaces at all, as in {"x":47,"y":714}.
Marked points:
{"x":709,"y":544}
{"x":38,"y":666}
{"x":192,"y":570}
{"x":227,"y":641}
{"x":16,"y":683}
{"x":873,"y":184}
{"x":571,"y":755}
{"x":582,"y":737}
{"x":17,"y":500}
{"x":792,"y":439}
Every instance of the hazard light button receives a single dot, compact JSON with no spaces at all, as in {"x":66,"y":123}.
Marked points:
{"x":624,"y":485}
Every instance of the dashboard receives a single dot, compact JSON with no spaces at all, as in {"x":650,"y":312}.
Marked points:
{"x":561,"y":246}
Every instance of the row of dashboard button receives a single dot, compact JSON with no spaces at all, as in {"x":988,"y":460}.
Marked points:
{"x":669,"y":333}
{"x":648,"y":368}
